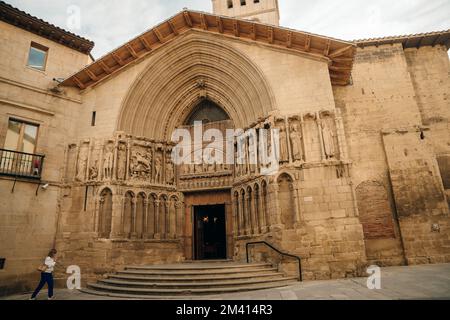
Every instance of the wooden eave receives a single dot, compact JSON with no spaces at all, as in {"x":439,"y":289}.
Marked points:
{"x":410,"y":41}
{"x":339,"y":53}
{"x":23,"y":20}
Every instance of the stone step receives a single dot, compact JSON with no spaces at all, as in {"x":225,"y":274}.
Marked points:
{"x":196,"y":277}
{"x":188,"y":273}
{"x":108,"y":289}
{"x":201,"y":267}
{"x":196,"y":285}
{"x":105,"y":294}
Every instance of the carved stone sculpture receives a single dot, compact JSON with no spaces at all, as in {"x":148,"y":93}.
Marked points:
{"x":82,"y":164}
{"x":140,"y":166}
{"x":121,"y":161}
{"x":93,"y":171}
{"x":328,"y":141}
{"x":158,"y":169}
{"x":170,"y":174}
{"x":284,"y":152}
{"x":108,"y":161}
{"x":296,"y":141}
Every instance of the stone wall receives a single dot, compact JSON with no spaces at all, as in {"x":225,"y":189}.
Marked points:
{"x":28,"y":215}
{"x":393,"y":89}
{"x":419,"y":197}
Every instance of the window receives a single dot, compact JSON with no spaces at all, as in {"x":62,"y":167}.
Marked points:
{"x":230,"y":4}
{"x":255,"y":1}
{"x":243,"y":2}
{"x":207,"y":112}
{"x":21,"y":136}
{"x":94,"y":118}
{"x":37,"y":57}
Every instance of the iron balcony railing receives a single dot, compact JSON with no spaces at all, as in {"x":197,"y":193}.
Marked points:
{"x":20,"y":164}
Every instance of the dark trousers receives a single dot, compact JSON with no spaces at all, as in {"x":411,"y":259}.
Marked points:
{"x":46,"y":278}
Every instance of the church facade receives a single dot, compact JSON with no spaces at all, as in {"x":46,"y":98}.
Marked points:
{"x":86,"y":159}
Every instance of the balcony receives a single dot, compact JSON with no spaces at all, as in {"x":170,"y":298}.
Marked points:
{"x":20,"y":164}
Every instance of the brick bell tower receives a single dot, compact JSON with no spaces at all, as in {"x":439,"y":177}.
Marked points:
{"x":264,"y":11}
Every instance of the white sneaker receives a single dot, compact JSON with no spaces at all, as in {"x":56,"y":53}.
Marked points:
{"x":32,"y":298}
{"x":52,"y":298}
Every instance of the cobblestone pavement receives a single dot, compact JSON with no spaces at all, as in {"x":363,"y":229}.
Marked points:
{"x":408,"y":283}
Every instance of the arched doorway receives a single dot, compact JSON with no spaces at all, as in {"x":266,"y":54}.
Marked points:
{"x":211,"y":227}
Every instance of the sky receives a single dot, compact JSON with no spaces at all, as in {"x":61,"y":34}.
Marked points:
{"x":110,"y":23}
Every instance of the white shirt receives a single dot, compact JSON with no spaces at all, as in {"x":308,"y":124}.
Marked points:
{"x":50,"y":263}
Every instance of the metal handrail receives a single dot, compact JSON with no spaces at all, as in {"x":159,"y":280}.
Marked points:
{"x":279,"y":252}
{"x":20,"y":164}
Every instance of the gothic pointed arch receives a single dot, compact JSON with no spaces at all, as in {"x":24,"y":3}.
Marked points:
{"x":194,"y":68}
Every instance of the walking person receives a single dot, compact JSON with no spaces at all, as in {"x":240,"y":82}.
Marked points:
{"x":46,"y":275}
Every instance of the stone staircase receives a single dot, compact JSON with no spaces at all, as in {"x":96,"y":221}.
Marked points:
{"x":189,"y":279}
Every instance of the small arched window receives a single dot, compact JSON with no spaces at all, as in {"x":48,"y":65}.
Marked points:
{"x":207,"y":112}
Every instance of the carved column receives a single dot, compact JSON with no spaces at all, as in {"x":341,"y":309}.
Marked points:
{"x":173,"y":219}
{"x":275,"y":208}
{"x":248,"y":206}
{"x":302,"y":123}
{"x":167,"y":219}
{"x":156,"y":219}
{"x":122,"y":218}
{"x":244,"y":214}
{"x":100,"y":202}
{"x":236,"y":216}
{"x":178,"y":219}
{"x":117,"y":213}
{"x":322,"y":147}
{"x":296,"y":204}
{"x":255,"y":213}
{"x":240,"y":216}
{"x":115,"y":161}
{"x":261,"y":212}
{"x":145,"y":233}
{"x":133,"y":218}
{"x":343,"y":151}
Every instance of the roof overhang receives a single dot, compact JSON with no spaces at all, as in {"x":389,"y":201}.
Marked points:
{"x":340,"y":54}
{"x":410,"y":41}
{"x":25,"y":21}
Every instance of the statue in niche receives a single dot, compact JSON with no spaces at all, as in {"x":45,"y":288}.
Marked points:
{"x":140,"y":164}
{"x":108,"y":161}
{"x":284,"y":152}
{"x":121,"y":161}
{"x":296,"y":141}
{"x":328,"y":141}
{"x":82,"y":164}
{"x":268,"y":146}
{"x":170,"y":173}
{"x":93,"y":171}
{"x":158,"y":169}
